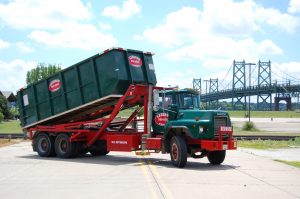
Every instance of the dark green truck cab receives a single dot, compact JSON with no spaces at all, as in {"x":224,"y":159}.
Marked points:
{"x":178,"y":116}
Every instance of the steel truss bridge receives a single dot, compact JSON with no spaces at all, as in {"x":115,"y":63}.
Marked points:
{"x":241,"y":88}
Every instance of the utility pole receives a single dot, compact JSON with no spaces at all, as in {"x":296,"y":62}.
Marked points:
{"x":249,"y":88}
{"x":298,"y":95}
{"x":206,"y":81}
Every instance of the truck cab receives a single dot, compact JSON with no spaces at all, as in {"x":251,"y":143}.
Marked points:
{"x":178,"y":118}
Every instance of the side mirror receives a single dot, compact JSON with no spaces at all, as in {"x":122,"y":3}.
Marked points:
{"x":155,"y":100}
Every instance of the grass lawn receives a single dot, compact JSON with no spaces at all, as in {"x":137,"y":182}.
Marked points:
{"x":292,"y":163}
{"x":125,"y":113}
{"x":269,"y":144}
{"x":12,"y":126}
{"x":266,"y":114}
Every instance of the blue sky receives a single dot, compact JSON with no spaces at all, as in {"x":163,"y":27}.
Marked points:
{"x":190,"y":38}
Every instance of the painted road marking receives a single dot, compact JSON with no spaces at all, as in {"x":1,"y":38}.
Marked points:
{"x":167,"y":193}
{"x":158,"y":187}
{"x":144,"y":169}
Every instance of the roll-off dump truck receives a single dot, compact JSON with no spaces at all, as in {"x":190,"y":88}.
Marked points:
{"x":74,"y":112}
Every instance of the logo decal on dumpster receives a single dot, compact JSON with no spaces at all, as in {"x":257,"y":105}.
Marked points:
{"x":135,"y":61}
{"x":54,"y":85}
{"x":161,"y":119}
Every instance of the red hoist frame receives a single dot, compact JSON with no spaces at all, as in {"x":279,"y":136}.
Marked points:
{"x":120,"y":138}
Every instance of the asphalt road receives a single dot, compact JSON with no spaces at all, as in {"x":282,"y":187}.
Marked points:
{"x":24,"y":175}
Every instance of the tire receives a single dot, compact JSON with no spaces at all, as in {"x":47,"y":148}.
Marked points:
{"x":216,"y":157}
{"x":43,"y":144}
{"x":81,"y":149}
{"x":178,"y":151}
{"x":64,"y":148}
{"x":99,"y":149}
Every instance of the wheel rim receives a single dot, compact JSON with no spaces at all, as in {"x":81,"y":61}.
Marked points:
{"x":43,"y":145}
{"x":63,"y":146}
{"x":174,"y":151}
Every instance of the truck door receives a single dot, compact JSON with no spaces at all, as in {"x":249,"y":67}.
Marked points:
{"x":160,"y":114}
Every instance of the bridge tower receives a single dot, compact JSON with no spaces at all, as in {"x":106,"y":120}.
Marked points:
{"x":197,"y":85}
{"x":239,"y":81}
{"x":213,"y":88}
{"x":264,"y":101}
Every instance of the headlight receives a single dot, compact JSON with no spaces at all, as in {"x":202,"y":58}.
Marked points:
{"x":201,"y":129}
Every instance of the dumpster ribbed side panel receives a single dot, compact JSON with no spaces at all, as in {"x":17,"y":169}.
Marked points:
{"x":56,"y":99}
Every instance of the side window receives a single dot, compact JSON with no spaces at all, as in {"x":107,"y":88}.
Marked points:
{"x":160,"y":102}
{"x":168,"y":101}
{"x":187,"y":101}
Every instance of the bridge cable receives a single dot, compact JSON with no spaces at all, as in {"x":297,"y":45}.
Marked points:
{"x":226,"y":75}
{"x":287,"y":74}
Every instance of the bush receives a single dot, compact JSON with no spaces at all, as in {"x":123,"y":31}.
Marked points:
{"x":4,"y":108}
{"x":249,"y":126}
{"x":15,"y":113}
{"x":1,"y":117}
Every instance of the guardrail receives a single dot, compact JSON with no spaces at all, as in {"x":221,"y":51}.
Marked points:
{"x":12,"y":136}
{"x":264,"y":137}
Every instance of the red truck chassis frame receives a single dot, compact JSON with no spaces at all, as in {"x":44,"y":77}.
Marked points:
{"x":120,"y":138}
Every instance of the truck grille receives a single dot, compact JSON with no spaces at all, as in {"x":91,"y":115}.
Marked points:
{"x":219,"y":121}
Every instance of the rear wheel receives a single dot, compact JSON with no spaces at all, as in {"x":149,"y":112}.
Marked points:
{"x":216,"y":157}
{"x":178,"y":151}
{"x":64,"y":148}
{"x":44,"y":145}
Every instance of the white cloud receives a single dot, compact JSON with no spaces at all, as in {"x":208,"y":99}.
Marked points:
{"x":172,"y":79}
{"x":228,"y":17}
{"x":224,"y":18}
{"x":268,"y":47}
{"x":24,"y":48}
{"x":287,"y":70}
{"x":179,"y":27}
{"x":217,"y":47}
{"x":275,"y":18}
{"x":4,"y":44}
{"x":56,"y":23}
{"x":13,"y":74}
{"x":104,"y":26}
{"x":81,"y":36}
{"x":138,"y":37}
{"x":36,"y":14}
{"x":222,"y":30}
{"x":128,"y":9}
{"x":294,"y":6}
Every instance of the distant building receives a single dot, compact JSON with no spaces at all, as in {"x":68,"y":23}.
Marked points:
{"x":11,"y":98}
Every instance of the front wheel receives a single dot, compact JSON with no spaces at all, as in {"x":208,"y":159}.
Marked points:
{"x":216,"y":157}
{"x":178,"y":151}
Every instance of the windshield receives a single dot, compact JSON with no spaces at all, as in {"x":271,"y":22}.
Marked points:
{"x":189,"y":101}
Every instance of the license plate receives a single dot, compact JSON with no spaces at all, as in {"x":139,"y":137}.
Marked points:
{"x":225,"y":147}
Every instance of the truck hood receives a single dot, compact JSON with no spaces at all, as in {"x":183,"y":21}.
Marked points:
{"x":201,"y":114}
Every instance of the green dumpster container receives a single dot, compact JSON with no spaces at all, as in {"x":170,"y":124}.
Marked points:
{"x":84,"y":87}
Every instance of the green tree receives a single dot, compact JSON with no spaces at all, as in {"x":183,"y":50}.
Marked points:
{"x":41,"y":71}
{"x":4,"y":108}
{"x":1,"y":117}
{"x":14,"y":112}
